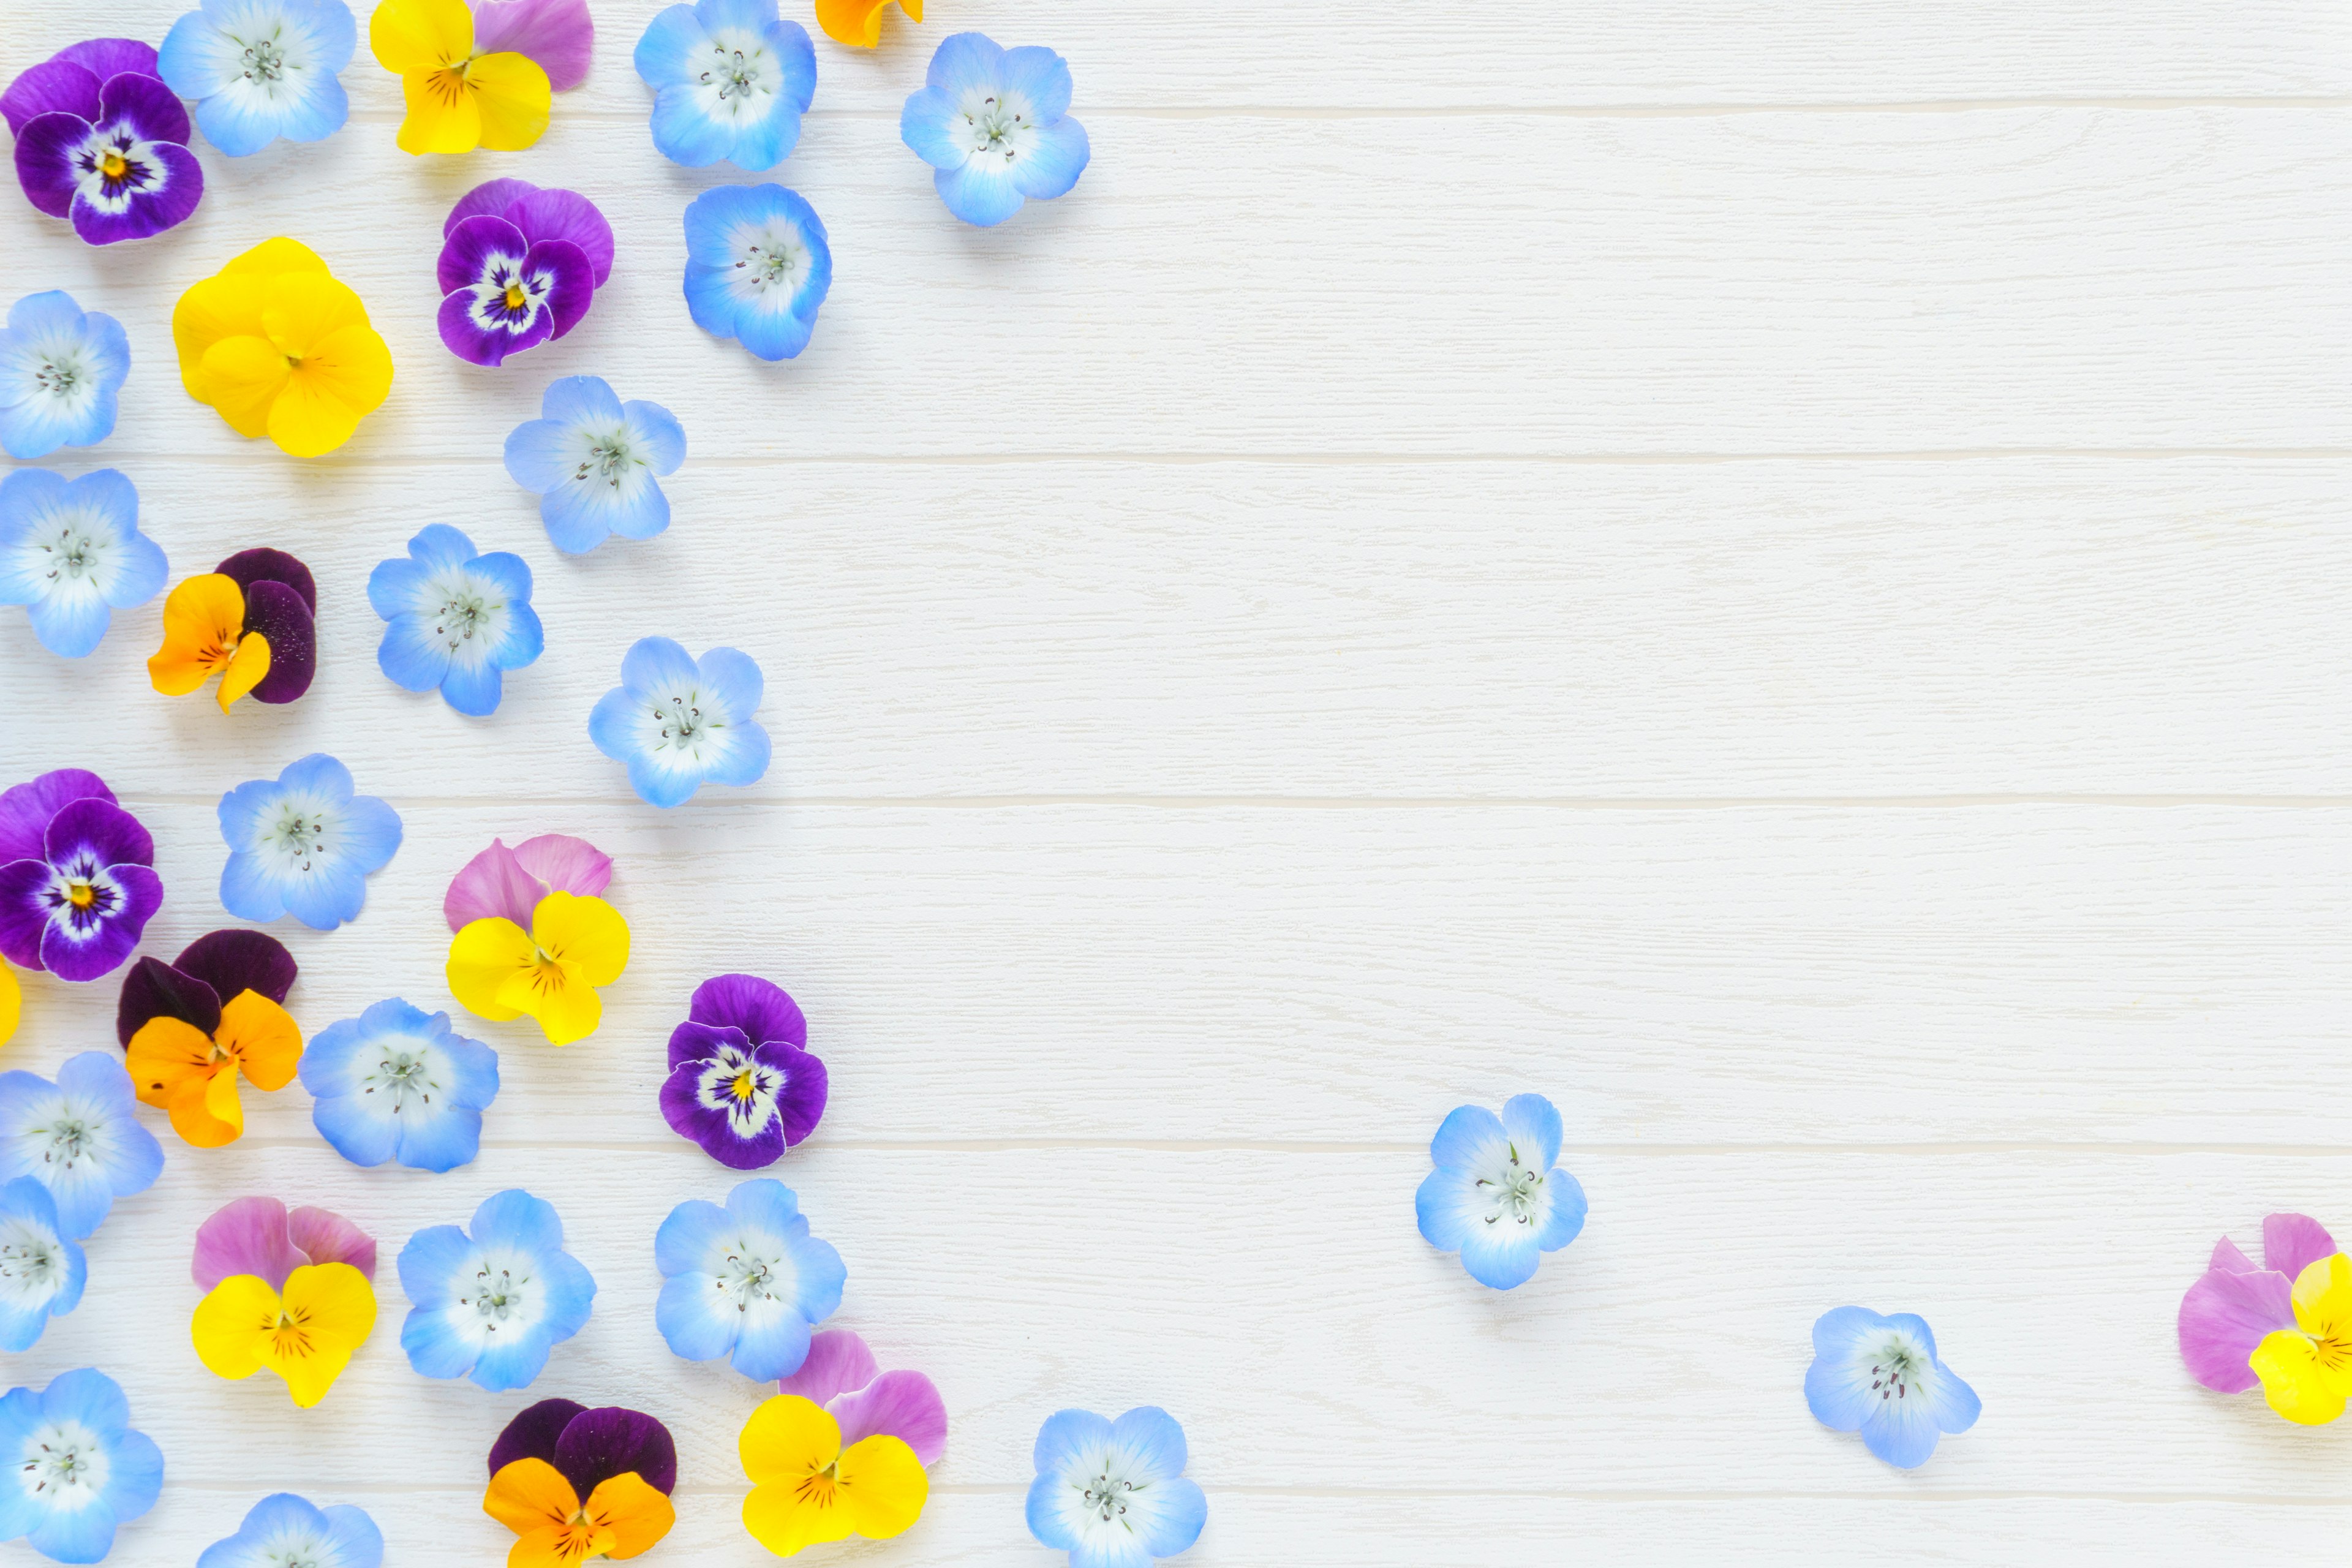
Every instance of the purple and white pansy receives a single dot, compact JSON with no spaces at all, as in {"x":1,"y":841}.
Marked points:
{"x":77,"y":882}
{"x":101,"y":141}
{"x":742,"y":1081}
{"x":518,"y":267}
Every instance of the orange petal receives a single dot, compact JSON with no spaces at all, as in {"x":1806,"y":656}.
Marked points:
{"x":529,"y":1495}
{"x":205,"y":1112}
{"x":263,"y":1037}
{"x":247,"y":667}
{"x":166,"y":1056}
{"x":636,"y":1515}
{"x":203,"y":618}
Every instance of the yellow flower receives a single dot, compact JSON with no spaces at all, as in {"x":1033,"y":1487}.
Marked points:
{"x":575,"y":944}
{"x":204,"y":634}
{"x":859,"y":22}
{"x":192,"y":1076}
{"x":2306,"y":1371}
{"x":306,"y":1336}
{"x":457,"y":99}
{"x":281,"y":349}
{"x":553,"y":1528}
{"x":805,"y":1489}
{"x":12,"y":1001}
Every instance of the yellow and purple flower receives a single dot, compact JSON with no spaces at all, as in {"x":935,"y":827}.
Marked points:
{"x":533,"y":938}
{"x":252,"y":620}
{"x":189,"y":1028}
{"x":77,"y":882}
{"x":742,"y":1082}
{"x":518,"y":267}
{"x":291,"y":1291}
{"x":2283,"y":1325}
{"x":812,"y":1483}
{"x":102,"y":142}
{"x":483,"y":76}
{"x":840,"y":1374}
{"x":574,"y":1483}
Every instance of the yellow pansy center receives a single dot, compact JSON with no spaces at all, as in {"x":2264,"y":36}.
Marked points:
{"x":82,"y":895}
{"x":514,"y":296}
{"x":292,"y":1337}
{"x":741,"y":1088}
{"x":818,"y":1486}
{"x":114,"y":165}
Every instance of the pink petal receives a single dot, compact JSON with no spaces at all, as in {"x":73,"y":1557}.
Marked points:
{"x":566,"y":865}
{"x":2227,"y":1257}
{"x":247,"y":1237}
{"x":325,"y":1237}
{"x":559,"y":33}
{"x":493,"y":885}
{"x":837,"y":1362}
{"x":902,"y":1404}
{"x":2224,"y":1318}
{"x":2293,"y":1242}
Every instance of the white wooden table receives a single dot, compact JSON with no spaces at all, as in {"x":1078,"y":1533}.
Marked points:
{"x":1774,"y":571}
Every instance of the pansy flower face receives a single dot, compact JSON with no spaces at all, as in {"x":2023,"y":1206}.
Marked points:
{"x":518,"y":267}
{"x":741,"y":1082}
{"x":78,"y":884}
{"x":100,"y":141}
{"x":291,"y":1293}
{"x":79,"y":1137}
{"x":190,"y":1029}
{"x":574,"y":1483}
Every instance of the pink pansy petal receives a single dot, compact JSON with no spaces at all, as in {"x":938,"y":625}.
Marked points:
{"x":2293,"y":1242}
{"x":247,"y":1237}
{"x":903,"y":1404}
{"x":2229,"y":1259}
{"x":566,"y":865}
{"x":325,"y":1237}
{"x":493,"y":885}
{"x":559,"y":33}
{"x":26,"y":808}
{"x":838,"y":1362}
{"x":2224,"y":1318}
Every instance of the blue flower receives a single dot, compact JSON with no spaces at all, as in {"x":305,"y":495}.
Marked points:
{"x":259,"y":69}
{"x":1880,"y":1376}
{"x":591,"y":459}
{"x":457,"y":620}
{"x":45,"y":1270}
{"x":59,"y":372}
{"x":747,"y":1281}
{"x":71,"y":553}
{"x":1496,"y":1197}
{"x":1112,"y":1494}
{"x":995,"y":125}
{"x":490,"y":1305}
{"x":303,"y":844}
{"x":397,"y":1083}
{"x":757,"y":267}
{"x":678,"y":723}
{"x":80,"y":1468}
{"x":79,"y":1137}
{"x":730,"y":81}
{"x":283,"y":1531}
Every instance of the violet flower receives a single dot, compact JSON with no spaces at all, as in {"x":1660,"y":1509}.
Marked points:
{"x":741,"y":1082}
{"x":78,"y":883}
{"x":101,"y":141}
{"x":508,"y":884}
{"x":518,"y":267}
{"x":840,"y":1374}
{"x":2234,"y":1306}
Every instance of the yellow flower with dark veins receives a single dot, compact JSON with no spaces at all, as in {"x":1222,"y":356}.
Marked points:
{"x":458,"y":98}
{"x":278,"y":348}
{"x":305,"y":1334}
{"x":2306,"y":1371}
{"x":807,"y":1489}
{"x":551,"y":971}
{"x":192,"y":1075}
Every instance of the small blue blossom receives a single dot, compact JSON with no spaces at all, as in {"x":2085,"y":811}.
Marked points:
{"x":592,"y":461}
{"x":1112,"y":1494}
{"x":678,"y":722}
{"x":78,"y":1469}
{"x":60,"y":369}
{"x":757,"y":267}
{"x":747,"y":1281}
{"x":303,"y":844}
{"x":1496,"y":1195}
{"x":283,"y":1531}
{"x":45,"y":1272}
{"x":71,"y":553}
{"x":995,"y":125}
{"x":261,"y":70}
{"x":491,"y":1304}
{"x":731,"y":80}
{"x":457,"y":620}
{"x":79,"y":1137}
{"x":398,"y":1084}
{"x":1879,"y":1375}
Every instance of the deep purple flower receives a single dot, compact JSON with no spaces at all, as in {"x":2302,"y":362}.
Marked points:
{"x":76,"y":879}
{"x":741,"y":1083}
{"x":589,"y":1446}
{"x":214,"y":969}
{"x":101,"y":140}
{"x":518,"y":267}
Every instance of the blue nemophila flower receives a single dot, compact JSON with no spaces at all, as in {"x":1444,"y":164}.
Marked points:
{"x":261,"y":70}
{"x":593,"y":460}
{"x":41,"y":1270}
{"x":76,"y":1468}
{"x":1112,"y":1494}
{"x":731,"y":80}
{"x":283,"y":1531}
{"x":303,"y":844}
{"x":79,"y":1137}
{"x":456,"y":620}
{"x":397,"y":1083}
{"x":1496,"y":1197}
{"x":679,"y":723}
{"x":757,"y":267}
{"x":489,"y":1305}
{"x":61,"y":369}
{"x":1879,"y":1375}
{"x":71,"y":553}
{"x":747,"y":1281}
{"x":995,"y":125}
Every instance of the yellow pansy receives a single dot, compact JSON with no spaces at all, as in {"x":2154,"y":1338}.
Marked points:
{"x":306,"y":1334}
{"x":554,"y":1529}
{"x":859,"y":22}
{"x":807,"y":1489}
{"x":192,"y":1075}
{"x":2306,"y":1371}
{"x":278,"y":348}
{"x":205,"y":635}
{"x":551,"y":971}
{"x":12,"y":1002}
{"x":458,"y":100}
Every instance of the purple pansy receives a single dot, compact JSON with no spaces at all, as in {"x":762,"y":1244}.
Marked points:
{"x":741,"y":1082}
{"x":2228,"y":1312}
{"x":216,"y":968}
{"x":78,"y":883}
{"x":518,"y":267}
{"x":588,"y":1447}
{"x":282,"y":603}
{"x":840,"y":1374}
{"x":101,"y":141}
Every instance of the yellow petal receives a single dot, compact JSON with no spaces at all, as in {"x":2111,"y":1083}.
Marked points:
{"x":166,"y":1057}
{"x":331,"y":391}
{"x":233,"y":1326}
{"x":247,"y":667}
{"x":587,"y":933}
{"x":858,"y":22}
{"x":331,"y":1311}
{"x":481,"y":958}
{"x":882,"y":1485}
{"x":12,"y":1002}
{"x":208,"y":1114}
{"x":272,"y":257}
{"x":263,"y":1037}
{"x":788,"y":1440}
{"x":567,"y":1008}
{"x":512,"y":94}
{"x":414,"y":36}
{"x":203,"y":618}
{"x":785,"y":1518}
{"x":2295,"y":1380}
{"x":528,"y":1494}
{"x":354,"y":363}
{"x":228,"y":306}
{"x":305,"y":307}
{"x":628,"y":1507}
{"x":443,"y":116}
{"x":242,"y":377}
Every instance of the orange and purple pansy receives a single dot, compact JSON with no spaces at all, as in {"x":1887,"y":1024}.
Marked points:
{"x":190,"y":1026}
{"x":252,"y":620}
{"x":574,"y":1483}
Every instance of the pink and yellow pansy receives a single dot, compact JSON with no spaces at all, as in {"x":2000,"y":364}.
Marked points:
{"x":276,"y":346}
{"x":2287,"y":1325}
{"x":288,"y":1291}
{"x":190,"y":1026}
{"x":460,"y":95}
{"x":533,"y":938}
{"x":807,"y":1489}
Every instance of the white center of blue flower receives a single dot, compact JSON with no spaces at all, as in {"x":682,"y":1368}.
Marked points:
{"x":1899,"y":1365}
{"x":467,"y":613}
{"x":61,"y":373}
{"x":739,"y":78}
{"x":499,"y":1295}
{"x":62,"y":1466}
{"x":70,"y":549}
{"x":1108,"y":1490}
{"x":303,"y":1552}
{"x":746,"y":1089}
{"x":299,"y":834}
{"x":999,"y":128}
{"x":752,"y":1274}
{"x":681,"y":729}
{"x":32,"y":1263}
{"x":406,"y":1077}
{"x":771,"y":259}
{"x":1512,"y":1189}
{"x":57,"y":1146}
{"x":264,"y":59}
{"x":607,"y":460}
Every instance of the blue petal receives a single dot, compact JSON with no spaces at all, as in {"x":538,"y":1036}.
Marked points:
{"x":571,"y":1293}
{"x":89,"y":1396}
{"x":1110,"y":1552}
{"x":348,"y":1124}
{"x":434,"y":1348}
{"x":70,"y":622}
{"x":437,"y":545}
{"x":476,"y":1068}
{"x":761,"y":144}
{"x":354,"y":1535}
{"x":690,"y":1321}
{"x":742,"y":15}
{"x":140,"y":570}
{"x":397,"y":587}
{"x":684,"y":134}
{"x":1152,"y":1441}
{"x":684,"y":1239}
{"x":580,"y":400}
{"x":1444,"y":1207}
{"x":84,"y":1535}
{"x":503,"y":571}
{"x":21,"y":1327}
{"x":712,"y":217}
{"x":429,"y":1265}
{"x":1532,"y":1123}
{"x":924,"y":125}
{"x":1068,"y":1437}
{"x":732,"y":681}
{"x":668,"y":43}
{"x":1500,"y":1259}
{"x":1042,"y":78}
{"x":776,"y":1349}
{"x":774,"y":335}
{"x":653,"y":665}
{"x":1954,"y":1404}
{"x":318,"y":775}
{"x":612,"y":724}
{"x":1465,"y":1138}
{"x":249,"y":891}
{"x":1913,"y":1324}
{"x":318,"y":114}
{"x":410,"y":655}
{"x":767,"y":1205}
{"x":442,"y":1142}
{"x":34,"y":428}
{"x":539,"y":454}
{"x":1176,"y":1522}
{"x":1566,"y":1219}
{"x":1044,"y":1512}
{"x":579,"y":515}
{"x":473,"y":688}
{"x":279,"y":1515}
{"x":822,"y":1275}
{"x":524,"y":641}
{"x":512,"y":1364}
{"x":965,"y":60}
{"x":661,"y":786}
{"x":656,"y":432}
{"x":1901,"y":1431}
{"x":1054,"y":163}
{"x":745,"y":759}
{"x":330,"y":893}
{"x":370,"y":832}
{"x":515,"y":1218}
{"x":980,"y":195}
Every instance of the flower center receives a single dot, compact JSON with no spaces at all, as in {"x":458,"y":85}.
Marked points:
{"x":609,"y":457}
{"x":292,"y":1333}
{"x":114,"y":165}
{"x":1106,"y":1495}
{"x":749,"y":1273}
{"x":69,"y":1139}
{"x":1514,"y":1193}
{"x":300,"y":836}
{"x":516,"y":298}
{"x":773,"y":261}
{"x":405,"y":1076}
{"x":263,"y":61}
{"x":998,"y":129}
{"x":818,"y":1486}
{"x":305,"y":1555}
{"x":680,"y":723}
{"x":26,"y":1264}
{"x":82,"y":895}
{"x":462,"y":614}
{"x":64,"y":1464}
{"x":736,"y":74}
{"x":58,"y":376}
{"x":1896,"y":1370}
{"x":500,"y":1296}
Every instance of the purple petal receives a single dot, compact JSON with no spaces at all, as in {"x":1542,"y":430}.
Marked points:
{"x":279,"y":613}
{"x":26,"y":808}
{"x":477,"y":344}
{"x":758,"y":1008}
{"x":838,"y":1362}
{"x":695,"y":1042}
{"x":2227,"y":1256}
{"x":713,"y":1129}
{"x":600,"y":1444}
{"x":141,"y":100}
{"x":232,"y":960}
{"x":902,"y":1405}
{"x":24,"y":911}
{"x":559,"y":33}
{"x":566,"y":214}
{"x":800,"y":1104}
{"x":154,"y":989}
{"x":2224,"y":1318}
{"x":263,"y":565}
{"x":176,"y":186}
{"x":488,"y":199}
{"x":572,"y":285}
{"x":76,"y":949}
{"x":45,"y":153}
{"x":492,"y":885}
{"x":96,"y":833}
{"x":472,"y":246}
{"x":568,"y":865}
{"x":54,"y":85}
{"x":104,"y":58}
{"x":247,"y":1237}
{"x":532,"y":1434}
{"x":2293,"y":1242}
{"x":324,"y":1238}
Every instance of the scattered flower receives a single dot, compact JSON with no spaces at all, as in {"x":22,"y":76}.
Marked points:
{"x":283,"y":1531}
{"x":78,"y":884}
{"x":461,"y":94}
{"x":592,"y":459}
{"x":489,"y":1306}
{"x":842,"y":1374}
{"x":731,"y":80}
{"x":456,"y":620}
{"x":742,"y":1081}
{"x":303,"y":844}
{"x":552,"y":971}
{"x":277,"y":347}
{"x":81,"y":1471}
{"x":678,"y":722}
{"x":859,"y":22}
{"x":757,"y":267}
{"x":12,"y":1003}
{"x":574,"y":1483}
{"x":190,"y":1026}
{"x":71,"y":553}
{"x":61,"y":369}
{"x":1880,"y":1376}
{"x":291,"y":1293}
{"x":2240,"y":1325}
{"x":101,"y":140}
{"x":41,"y":1269}
{"x":398,"y":1084}
{"x":807,"y":1488}
{"x":994,"y":125}
{"x":261,"y":70}
{"x":518,"y":267}
{"x":252,"y":620}
{"x":508,"y":884}
{"x":747,"y":1281}
{"x":1496,"y":1197}
{"x":1112,"y":1493}
{"x":559,"y":33}
{"x":79,"y":1137}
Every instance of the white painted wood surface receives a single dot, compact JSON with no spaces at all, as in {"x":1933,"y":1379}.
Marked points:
{"x":1773,"y":571}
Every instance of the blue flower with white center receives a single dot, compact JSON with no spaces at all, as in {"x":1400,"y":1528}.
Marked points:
{"x":593,"y":460}
{"x":995,"y":125}
{"x":397,"y":1083}
{"x":60,"y":369}
{"x":1112,"y":1494}
{"x":491,"y":1304}
{"x":71,"y":553}
{"x":747,"y":1281}
{"x":456,"y":620}
{"x":1879,"y":1375}
{"x":679,"y":723}
{"x":303,"y":844}
{"x":71,"y":1467}
{"x":283,"y":1531}
{"x":79,"y":1137}
{"x":731,"y":80}
{"x":41,"y":1270}
{"x":261,"y":70}
{"x":757,"y":267}
{"x":1496,"y":1197}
